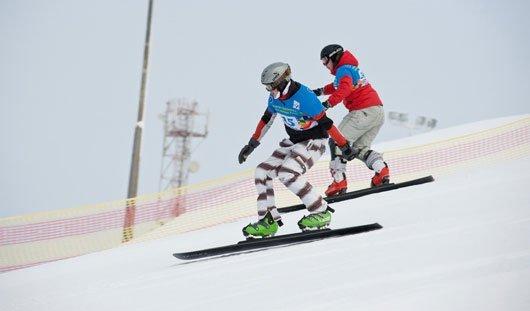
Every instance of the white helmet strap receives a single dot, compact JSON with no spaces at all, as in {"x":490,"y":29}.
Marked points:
{"x":286,"y":89}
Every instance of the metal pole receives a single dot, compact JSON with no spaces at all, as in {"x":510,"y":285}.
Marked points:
{"x":137,"y":145}
{"x":164,"y":148}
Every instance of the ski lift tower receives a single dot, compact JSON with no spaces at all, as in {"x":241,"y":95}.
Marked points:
{"x":179,"y":132}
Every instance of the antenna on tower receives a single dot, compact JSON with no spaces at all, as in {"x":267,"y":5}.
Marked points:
{"x":180,"y":121}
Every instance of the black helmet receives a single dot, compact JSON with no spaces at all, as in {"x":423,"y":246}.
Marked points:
{"x":332,"y":51}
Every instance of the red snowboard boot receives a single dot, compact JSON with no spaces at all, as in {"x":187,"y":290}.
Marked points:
{"x":382,"y":177}
{"x":337,"y":188}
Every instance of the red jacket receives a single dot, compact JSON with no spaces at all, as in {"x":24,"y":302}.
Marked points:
{"x":350,"y":85}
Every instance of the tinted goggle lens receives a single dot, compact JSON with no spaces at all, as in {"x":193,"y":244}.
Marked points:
{"x":325,"y":61}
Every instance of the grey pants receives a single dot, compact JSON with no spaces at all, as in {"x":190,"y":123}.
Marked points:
{"x":360,"y":127}
{"x":289,"y":163}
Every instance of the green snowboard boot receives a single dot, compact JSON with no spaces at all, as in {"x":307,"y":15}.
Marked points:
{"x":315,"y":221}
{"x":266,"y":227}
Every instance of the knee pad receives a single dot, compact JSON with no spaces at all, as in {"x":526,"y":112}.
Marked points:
{"x":371,"y":157}
{"x":338,"y":164}
{"x":337,"y":168}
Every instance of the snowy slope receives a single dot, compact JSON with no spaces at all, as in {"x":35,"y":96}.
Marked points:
{"x":441,"y":134}
{"x":460,"y":243}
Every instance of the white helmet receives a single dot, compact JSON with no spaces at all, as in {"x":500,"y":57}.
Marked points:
{"x":274,"y":74}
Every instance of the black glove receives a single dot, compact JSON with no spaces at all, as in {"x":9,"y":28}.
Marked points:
{"x":326,"y":105}
{"x":247,"y":150}
{"x":318,"y":91}
{"x":347,"y":152}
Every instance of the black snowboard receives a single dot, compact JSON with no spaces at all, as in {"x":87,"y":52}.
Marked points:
{"x":362,"y":192}
{"x":286,"y":239}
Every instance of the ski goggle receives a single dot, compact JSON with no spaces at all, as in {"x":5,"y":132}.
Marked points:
{"x":269,"y":87}
{"x":325,"y":61}
{"x":272,"y":86}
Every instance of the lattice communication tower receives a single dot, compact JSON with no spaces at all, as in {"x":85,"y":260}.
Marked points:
{"x":181,"y":121}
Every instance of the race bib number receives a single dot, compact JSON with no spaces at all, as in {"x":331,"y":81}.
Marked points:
{"x":362,"y":79}
{"x":298,"y":124}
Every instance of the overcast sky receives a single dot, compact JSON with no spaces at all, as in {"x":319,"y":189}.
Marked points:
{"x":70,"y":76}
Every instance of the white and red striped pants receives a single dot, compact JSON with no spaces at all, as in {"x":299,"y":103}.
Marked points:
{"x":289,"y":163}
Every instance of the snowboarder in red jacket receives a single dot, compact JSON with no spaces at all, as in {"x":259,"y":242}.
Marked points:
{"x":364,"y":120}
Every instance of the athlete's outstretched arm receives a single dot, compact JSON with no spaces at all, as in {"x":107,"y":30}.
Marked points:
{"x":344,"y":89}
{"x":263,"y":126}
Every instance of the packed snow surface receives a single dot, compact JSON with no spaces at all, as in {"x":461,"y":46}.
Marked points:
{"x":459,"y":243}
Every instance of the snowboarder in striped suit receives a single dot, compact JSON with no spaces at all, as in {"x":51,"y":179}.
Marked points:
{"x":308,"y":128}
